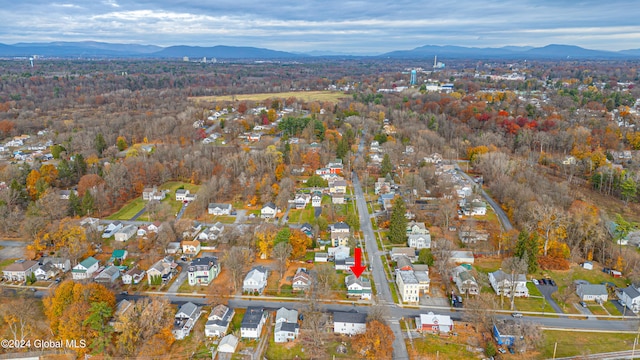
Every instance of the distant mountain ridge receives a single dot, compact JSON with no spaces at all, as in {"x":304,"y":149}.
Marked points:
{"x":90,"y":49}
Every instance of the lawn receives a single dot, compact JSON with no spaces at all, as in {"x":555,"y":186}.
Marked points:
{"x":582,"y":343}
{"x":533,"y":303}
{"x":565,"y":278}
{"x":597,"y":309}
{"x":285,"y":351}
{"x":301,"y":216}
{"x":7,"y":262}
{"x":430,"y":345}
{"x":225,"y":219}
{"x":612,"y":309}
{"x":129,"y":210}
{"x":487,"y":265}
{"x":331,"y":96}
{"x":237,"y":319}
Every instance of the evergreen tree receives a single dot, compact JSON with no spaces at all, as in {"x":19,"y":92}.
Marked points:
{"x":88,"y":206}
{"x":398,"y":225}
{"x":527,"y":246}
{"x":79,"y":166}
{"x":342,"y":149}
{"x":100,"y":144}
{"x":98,"y":321}
{"x":425,"y":257}
{"x":385,"y":166}
{"x":75,"y":205}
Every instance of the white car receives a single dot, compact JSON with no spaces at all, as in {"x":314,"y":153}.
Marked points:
{"x":535,"y":282}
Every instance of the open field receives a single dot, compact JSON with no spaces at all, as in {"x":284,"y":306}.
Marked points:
{"x":129,"y":210}
{"x":332,"y":96}
{"x":580,"y":343}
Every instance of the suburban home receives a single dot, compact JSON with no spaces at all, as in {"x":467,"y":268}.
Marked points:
{"x":108,"y":275}
{"x":190,"y":247}
{"x":502,"y":283}
{"x":592,"y":292}
{"x":85,"y":269}
{"x":153,"y":193}
{"x":211,"y":233}
{"x":587,"y":265}
{"x":359,"y":287}
{"x":475,"y":208}
{"x":337,"y":199}
{"x":338,"y":187}
{"x":321,"y":257}
{"x":252,"y":322}
{"x":46,"y":271}
{"x":431,"y":322}
{"x":228,"y":345}
{"x":465,"y":281}
{"x":185,"y":319}
{"x":472,"y":236}
{"x":118,"y":255}
{"x":412,"y":284}
{"x":344,"y":264}
{"x":126,"y":233}
{"x":461,"y":257}
{"x":386,"y":201}
{"x":301,"y":280}
{"x":631,"y":298}
{"x":434,"y":158}
{"x":339,"y":253}
{"x":419,"y":241}
{"x":20,"y":270}
{"x":181,"y":194}
{"x":161,"y":271}
{"x":61,"y":264}
{"x":382,"y":186}
{"x":122,"y":307}
{"x":111,"y":229}
{"x":133,"y":276}
{"x":301,"y":200}
{"x":216,"y":209}
{"x":256,"y":280}
{"x":403,"y":263}
{"x":307,"y":229}
{"x":203,"y":270}
{"x":172,"y":248}
{"x":408,"y":252}
{"x":287,"y":327}
{"x":417,"y":228}
{"x":268,"y":211}
{"x":218,"y":321}
{"x":316,"y":200}
{"x":335,"y":166}
{"x":502,"y":332}
{"x":340,"y":233}
{"x":349,"y":323}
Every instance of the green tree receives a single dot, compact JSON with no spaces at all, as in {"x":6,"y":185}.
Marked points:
{"x":88,"y":203}
{"x":425,"y":257}
{"x":342,"y":149}
{"x":98,"y":322}
{"x":528,"y":246}
{"x":79,"y":166}
{"x":385,"y":166}
{"x":56,"y":150}
{"x":353,"y":221}
{"x":99,"y":143}
{"x":629,"y":189}
{"x":316,"y":181}
{"x":490,"y":349}
{"x":398,"y":223}
{"x":282,"y":236}
{"x":121,"y":143}
{"x":75,"y":205}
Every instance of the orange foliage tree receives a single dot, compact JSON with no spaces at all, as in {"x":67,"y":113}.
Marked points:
{"x":375,"y":343}
{"x":300,"y":242}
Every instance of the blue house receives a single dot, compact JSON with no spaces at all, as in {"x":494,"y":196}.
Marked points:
{"x":500,"y":333}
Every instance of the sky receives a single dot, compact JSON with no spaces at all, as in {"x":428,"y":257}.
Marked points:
{"x":342,"y":26}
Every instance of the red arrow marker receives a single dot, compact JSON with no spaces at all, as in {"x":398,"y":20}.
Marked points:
{"x":357,"y":269}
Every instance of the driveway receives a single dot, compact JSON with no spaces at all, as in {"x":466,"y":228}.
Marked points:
{"x":240,"y":216}
{"x":136,"y":216}
{"x":623,"y":310}
{"x":546,"y":291}
{"x":12,"y":249}
{"x":180,"y":279}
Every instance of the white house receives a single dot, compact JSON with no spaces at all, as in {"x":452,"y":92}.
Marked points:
{"x":256,"y":280}
{"x":465,"y":281}
{"x":287,"y":327}
{"x":587,"y":265}
{"x":85,"y":269}
{"x":133,"y":276}
{"x":592,"y":292}
{"x":412,"y":284}
{"x":60,"y":263}
{"x":268,"y":211}
{"x":359,"y":287}
{"x":218,"y":321}
{"x":316,"y":200}
{"x":419,"y":241}
{"x":631,"y":298}
{"x":111,"y":229}
{"x":19,"y":270}
{"x":503,"y":283}
{"x":181,"y":194}
{"x":126,"y":233}
{"x":434,"y":323}
{"x":349,"y":323}
{"x":339,"y":253}
{"x":191,"y":247}
{"x":228,"y":344}
{"x":340,"y":233}
{"x":301,"y":280}
{"x":46,"y":271}
{"x":252,"y":323}
{"x":185,"y":319}
{"x":219,"y":209}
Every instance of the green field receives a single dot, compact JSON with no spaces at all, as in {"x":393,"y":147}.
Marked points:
{"x":582,"y":343}
{"x":433,"y":344}
{"x":332,"y":96}
{"x":129,"y":210}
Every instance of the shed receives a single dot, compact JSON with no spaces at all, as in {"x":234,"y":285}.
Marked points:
{"x":587,"y":265}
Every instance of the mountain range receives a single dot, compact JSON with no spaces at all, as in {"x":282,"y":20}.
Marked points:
{"x":92,"y":49}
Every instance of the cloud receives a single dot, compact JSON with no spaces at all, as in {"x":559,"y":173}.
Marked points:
{"x":346,"y":25}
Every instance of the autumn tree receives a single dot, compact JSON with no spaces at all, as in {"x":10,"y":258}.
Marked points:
{"x":300,"y":242}
{"x":281,"y":253}
{"x":398,"y":224}
{"x":121,"y":143}
{"x":98,"y":323}
{"x":19,"y":316}
{"x":376,"y":342}
{"x":326,"y":279}
{"x":235,"y":260}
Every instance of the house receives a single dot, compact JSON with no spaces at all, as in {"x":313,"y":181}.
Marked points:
{"x":153,"y":193}
{"x":434,"y":323}
{"x":185,"y":319}
{"x":216,"y":209}
{"x":349,"y":323}
{"x":616,"y":273}
{"x":307,"y":229}
{"x":335,"y":166}
{"x":408,"y":252}
{"x":631,"y":298}
{"x":268,"y":211}
{"x":122,"y":307}
{"x":45,"y":271}
{"x":345,"y":264}
{"x":382,"y":186}
{"x":569,"y":160}
{"x":465,"y":281}
{"x":339,"y":253}
{"x":85,"y":269}
{"x":108,"y":275}
{"x":592,"y":292}
{"x":65,"y":194}
{"x":503,"y":283}
{"x":61,"y":264}
{"x":228,"y":344}
{"x":202,"y":271}
{"x":172,"y":248}
{"x":412,"y":284}
{"x":472,"y":236}
{"x":126,"y":233}
{"x":338,"y":187}
{"x":419,"y":241}
{"x":181,"y":194}
{"x":111,"y":229}
{"x":218,"y":321}
{"x":301,"y":280}
{"x":502,"y":332}
{"x":587,"y":265}
{"x":252,"y":322}
{"x":434,"y":158}
{"x":417,"y":228}
{"x":211,"y":233}
{"x":340,"y":233}
{"x":337,"y":199}
{"x":461,"y":257}
{"x":287,"y":327}
{"x":118,"y":255}
{"x":359,"y":287}
{"x":321,"y":257}
{"x":90,"y":223}
{"x":256,"y":280}
{"x":476,"y":207}
{"x":316,"y":200}
{"x":190,"y":247}
{"x":161,"y":271}
{"x":20,"y":270}
{"x":133,"y":276}
{"x":300,"y":201}
{"x":403,"y":263}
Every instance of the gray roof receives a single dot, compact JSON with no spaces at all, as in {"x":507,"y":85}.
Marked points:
{"x":188,"y":309}
{"x":286,"y":326}
{"x":349,"y":317}
{"x":252,"y":317}
{"x":631,"y":292}
{"x":340,"y":225}
{"x":500,"y":275}
{"x":591,"y":289}
{"x":204,"y":261}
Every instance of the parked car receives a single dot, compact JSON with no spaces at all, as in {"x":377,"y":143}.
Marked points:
{"x":606,"y":270}
{"x":511,"y":350}
{"x":544,"y":281}
{"x":516,"y":315}
{"x":535,"y":282}
{"x":502,"y":350}
{"x":584,"y":304}
{"x":622,"y":303}
{"x":551,"y":282}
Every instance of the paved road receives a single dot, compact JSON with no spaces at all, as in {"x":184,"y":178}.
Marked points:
{"x":136,"y":216}
{"x":504,"y":219}
{"x":181,"y":212}
{"x":546,"y":291}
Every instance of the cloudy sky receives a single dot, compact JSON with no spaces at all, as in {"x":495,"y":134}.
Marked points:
{"x":346,"y":26}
